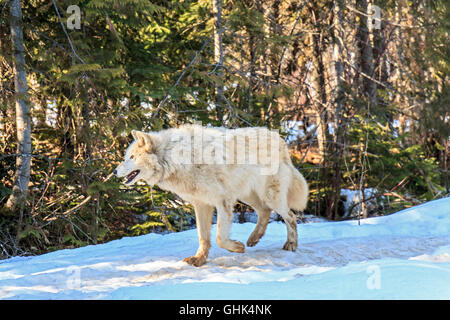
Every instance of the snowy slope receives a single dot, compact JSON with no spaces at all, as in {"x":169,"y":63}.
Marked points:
{"x":402,"y":256}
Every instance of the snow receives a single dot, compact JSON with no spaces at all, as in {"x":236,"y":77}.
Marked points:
{"x":293,"y":130}
{"x":405,"y":255}
{"x":355,"y":197}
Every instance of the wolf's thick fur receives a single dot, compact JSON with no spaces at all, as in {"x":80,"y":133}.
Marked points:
{"x":215,"y":167}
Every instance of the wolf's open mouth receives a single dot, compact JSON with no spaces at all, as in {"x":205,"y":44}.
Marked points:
{"x":132,"y":175}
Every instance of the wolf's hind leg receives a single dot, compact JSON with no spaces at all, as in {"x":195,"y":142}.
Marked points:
{"x":263,"y":212}
{"x":261,"y":225}
{"x":203,"y":216}
{"x":292,"y":236}
{"x":224,"y":219}
{"x":290,"y":220}
{"x":277,"y":199}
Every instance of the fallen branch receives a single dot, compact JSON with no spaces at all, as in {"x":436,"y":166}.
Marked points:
{"x":391,"y":192}
{"x":404,"y":198}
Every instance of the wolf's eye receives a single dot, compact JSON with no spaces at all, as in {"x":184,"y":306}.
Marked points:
{"x":132,"y":157}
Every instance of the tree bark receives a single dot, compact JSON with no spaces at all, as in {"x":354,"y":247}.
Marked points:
{"x":319,"y":96}
{"x":367,"y":57}
{"x":218,"y":55}
{"x":23,"y":119}
{"x":338,"y":134}
{"x":252,"y":72}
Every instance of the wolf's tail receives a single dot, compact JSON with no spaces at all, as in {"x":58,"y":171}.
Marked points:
{"x":298,"y":191}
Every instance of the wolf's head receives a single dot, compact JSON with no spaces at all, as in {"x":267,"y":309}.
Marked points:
{"x":141,"y":161}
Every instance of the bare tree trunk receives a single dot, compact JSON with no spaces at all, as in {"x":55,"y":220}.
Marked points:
{"x":319,"y":96}
{"x":367,"y":59}
{"x":252,"y":72}
{"x":23,"y":118}
{"x":218,"y":55}
{"x":338,"y":66}
{"x":338,"y":134}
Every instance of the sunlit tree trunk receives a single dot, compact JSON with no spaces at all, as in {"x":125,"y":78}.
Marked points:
{"x":218,"y":55}
{"x":23,"y":118}
{"x":319,"y":96}
{"x":338,"y":102}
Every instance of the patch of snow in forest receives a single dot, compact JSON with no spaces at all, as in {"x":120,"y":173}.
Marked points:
{"x":405,"y":255}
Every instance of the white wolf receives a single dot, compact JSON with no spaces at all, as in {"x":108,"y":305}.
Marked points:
{"x":215,"y":167}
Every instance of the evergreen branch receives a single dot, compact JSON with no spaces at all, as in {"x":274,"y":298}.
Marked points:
{"x":166,"y":97}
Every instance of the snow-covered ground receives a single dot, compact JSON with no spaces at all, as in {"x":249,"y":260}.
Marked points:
{"x":402,"y":256}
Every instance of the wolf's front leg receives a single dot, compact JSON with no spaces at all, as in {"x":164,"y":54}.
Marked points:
{"x":224,"y":219}
{"x":203,"y":216}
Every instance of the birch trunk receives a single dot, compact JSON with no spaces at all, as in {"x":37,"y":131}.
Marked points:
{"x":218,"y":55}
{"x":23,"y":119}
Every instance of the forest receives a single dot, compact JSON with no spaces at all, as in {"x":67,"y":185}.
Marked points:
{"x":359,"y":89}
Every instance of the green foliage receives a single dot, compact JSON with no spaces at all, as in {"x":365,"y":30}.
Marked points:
{"x":388,"y":161}
{"x":107,"y":78}
{"x":166,"y":212}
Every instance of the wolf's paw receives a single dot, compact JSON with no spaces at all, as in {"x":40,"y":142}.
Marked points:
{"x":238,"y":247}
{"x":252,"y":241}
{"x":231,"y":245}
{"x":290,"y":246}
{"x":195,"y":261}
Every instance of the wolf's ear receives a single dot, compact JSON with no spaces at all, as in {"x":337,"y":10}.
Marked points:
{"x":144,"y":140}
{"x":133,"y":133}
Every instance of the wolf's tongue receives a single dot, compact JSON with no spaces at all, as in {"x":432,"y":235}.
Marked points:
{"x":132,"y":175}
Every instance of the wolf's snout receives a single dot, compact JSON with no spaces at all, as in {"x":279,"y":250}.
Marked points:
{"x":115,"y":172}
